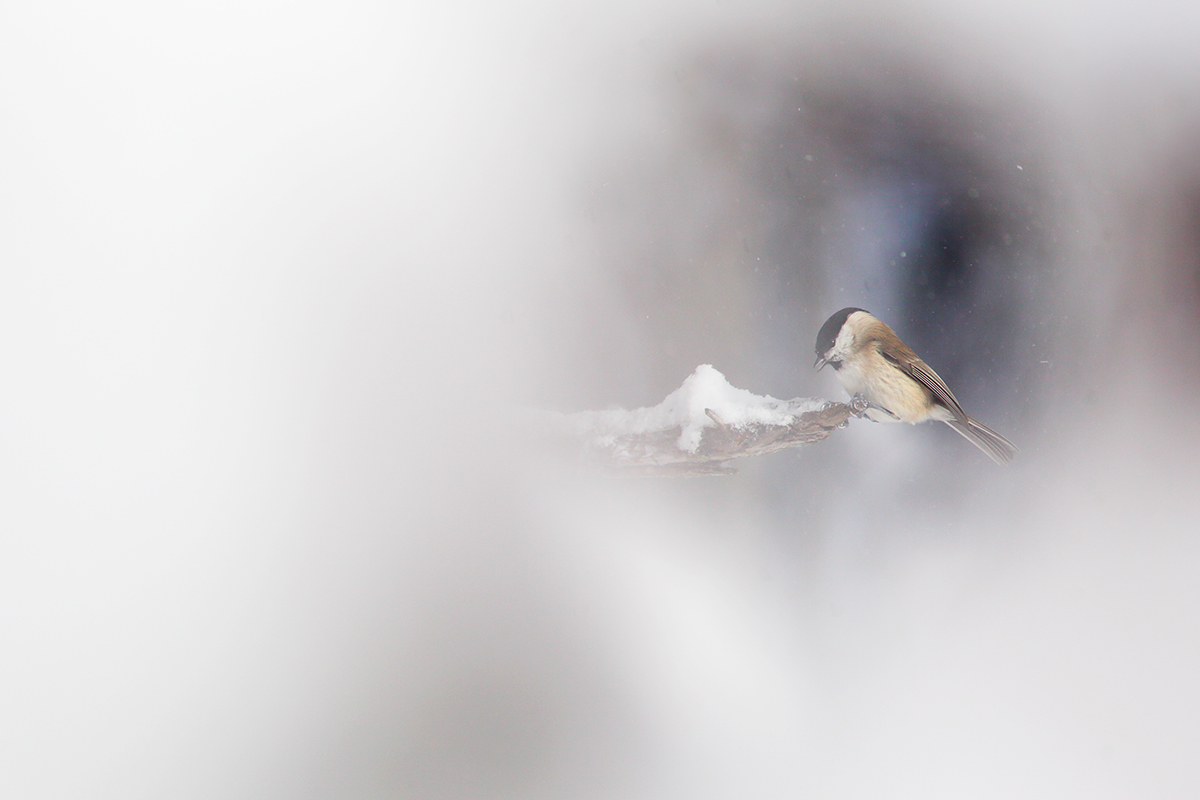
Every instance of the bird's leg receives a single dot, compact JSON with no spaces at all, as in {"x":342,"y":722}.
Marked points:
{"x":859,"y":406}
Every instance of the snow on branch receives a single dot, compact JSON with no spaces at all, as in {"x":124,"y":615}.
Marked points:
{"x":698,"y":427}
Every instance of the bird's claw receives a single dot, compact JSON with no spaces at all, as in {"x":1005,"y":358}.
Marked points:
{"x":859,"y":406}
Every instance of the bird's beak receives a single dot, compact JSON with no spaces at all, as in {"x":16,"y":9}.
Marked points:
{"x":820,"y":363}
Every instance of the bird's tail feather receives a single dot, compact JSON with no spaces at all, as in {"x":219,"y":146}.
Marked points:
{"x":998,"y":448}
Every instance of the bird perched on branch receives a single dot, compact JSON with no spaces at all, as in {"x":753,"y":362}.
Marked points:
{"x":890,"y":383}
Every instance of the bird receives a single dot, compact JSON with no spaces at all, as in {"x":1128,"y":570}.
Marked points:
{"x":890,"y":383}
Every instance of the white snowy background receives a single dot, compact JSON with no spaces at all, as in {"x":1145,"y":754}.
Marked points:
{"x":277,"y":280}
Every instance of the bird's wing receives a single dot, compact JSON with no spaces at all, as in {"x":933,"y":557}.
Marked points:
{"x":921,"y":372}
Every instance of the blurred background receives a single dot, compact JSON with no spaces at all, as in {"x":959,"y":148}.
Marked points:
{"x":279,"y":282}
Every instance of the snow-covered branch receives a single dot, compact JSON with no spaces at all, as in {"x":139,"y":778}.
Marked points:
{"x":698,"y":427}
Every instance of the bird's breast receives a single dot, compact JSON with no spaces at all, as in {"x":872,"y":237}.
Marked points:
{"x":881,"y":382}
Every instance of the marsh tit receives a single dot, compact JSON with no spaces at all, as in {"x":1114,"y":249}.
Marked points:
{"x":890,"y":383}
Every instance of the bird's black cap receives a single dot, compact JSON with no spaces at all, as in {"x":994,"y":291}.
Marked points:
{"x":829,"y":331}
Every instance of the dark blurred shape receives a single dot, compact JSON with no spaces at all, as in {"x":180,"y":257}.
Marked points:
{"x":804,"y":178}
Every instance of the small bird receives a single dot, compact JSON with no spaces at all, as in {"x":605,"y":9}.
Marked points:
{"x":890,"y":383}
